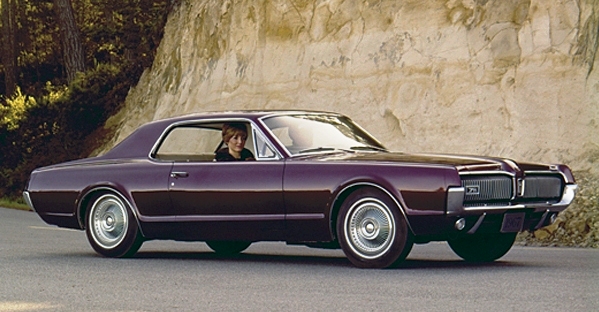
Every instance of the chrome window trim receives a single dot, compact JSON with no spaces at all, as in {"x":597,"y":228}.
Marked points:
{"x":258,"y":133}
{"x":291,"y":113}
{"x":275,"y":138}
{"x":253,"y":128}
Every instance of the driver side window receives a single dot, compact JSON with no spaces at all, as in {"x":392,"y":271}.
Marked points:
{"x":190,"y":143}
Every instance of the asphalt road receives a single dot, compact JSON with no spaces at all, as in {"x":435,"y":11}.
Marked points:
{"x":44,"y":268}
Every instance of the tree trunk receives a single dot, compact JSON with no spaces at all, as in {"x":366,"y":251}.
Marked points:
{"x":72,"y":49}
{"x":9,"y":49}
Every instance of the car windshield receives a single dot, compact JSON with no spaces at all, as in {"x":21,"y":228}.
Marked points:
{"x":312,"y":133}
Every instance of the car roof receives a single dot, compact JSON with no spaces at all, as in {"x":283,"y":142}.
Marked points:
{"x":250,"y":114}
{"x":140,"y":142}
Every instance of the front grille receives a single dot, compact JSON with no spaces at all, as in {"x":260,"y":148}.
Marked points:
{"x":487,"y":189}
{"x":543,"y":187}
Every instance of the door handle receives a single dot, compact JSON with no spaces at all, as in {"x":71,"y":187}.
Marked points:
{"x":177,"y":175}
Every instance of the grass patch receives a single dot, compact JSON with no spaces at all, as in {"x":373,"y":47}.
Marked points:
{"x":13,"y":204}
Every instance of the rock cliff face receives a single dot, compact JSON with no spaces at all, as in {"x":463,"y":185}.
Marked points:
{"x":513,"y":78}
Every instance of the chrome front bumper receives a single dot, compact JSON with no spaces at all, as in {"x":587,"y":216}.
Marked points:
{"x":455,"y":203}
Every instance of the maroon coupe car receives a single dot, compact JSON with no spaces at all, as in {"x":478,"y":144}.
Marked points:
{"x":313,"y":178}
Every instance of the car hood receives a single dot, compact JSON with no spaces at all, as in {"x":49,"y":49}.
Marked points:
{"x":460,"y":162}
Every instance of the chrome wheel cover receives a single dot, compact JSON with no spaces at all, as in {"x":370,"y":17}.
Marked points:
{"x":369,"y":228}
{"x":108,"y":221}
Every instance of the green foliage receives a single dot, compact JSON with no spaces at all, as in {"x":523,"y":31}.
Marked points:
{"x":14,"y":109}
{"x":48,"y":121}
{"x":57,"y":126}
{"x":15,"y":204}
{"x":38,"y":45}
{"x":123,"y":33}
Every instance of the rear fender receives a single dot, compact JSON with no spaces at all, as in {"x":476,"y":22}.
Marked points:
{"x":91,"y":193}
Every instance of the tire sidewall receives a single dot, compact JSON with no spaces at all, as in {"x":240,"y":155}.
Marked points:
{"x":401,"y":240}
{"x":132,"y":240}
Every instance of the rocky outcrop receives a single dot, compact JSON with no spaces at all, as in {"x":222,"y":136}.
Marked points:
{"x":509,"y":78}
{"x":513,"y":78}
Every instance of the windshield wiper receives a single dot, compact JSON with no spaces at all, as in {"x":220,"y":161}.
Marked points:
{"x":325,"y":149}
{"x":352,"y":149}
{"x":367,"y":148}
{"x":317,"y":149}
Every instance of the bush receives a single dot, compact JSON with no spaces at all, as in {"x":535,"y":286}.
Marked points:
{"x":47,"y":122}
{"x":14,"y":110}
{"x":58,"y":126}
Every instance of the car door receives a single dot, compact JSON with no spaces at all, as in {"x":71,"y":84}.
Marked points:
{"x":237,"y":200}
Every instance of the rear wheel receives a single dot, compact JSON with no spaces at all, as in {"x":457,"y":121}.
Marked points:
{"x":228,"y":247}
{"x":372,"y":231}
{"x":111,"y":227}
{"x":483,"y":247}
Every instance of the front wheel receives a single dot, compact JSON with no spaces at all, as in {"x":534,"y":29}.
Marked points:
{"x":228,"y":247}
{"x":483,"y":247}
{"x":372,"y":231}
{"x":111,"y":227}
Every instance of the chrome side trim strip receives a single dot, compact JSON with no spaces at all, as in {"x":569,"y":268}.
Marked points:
{"x":213,"y":218}
{"x":304,"y":216}
{"x":238,"y":217}
{"x":60,"y":214}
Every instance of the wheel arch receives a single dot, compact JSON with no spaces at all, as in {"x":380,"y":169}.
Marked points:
{"x":344,"y":192}
{"x":93,"y":193}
